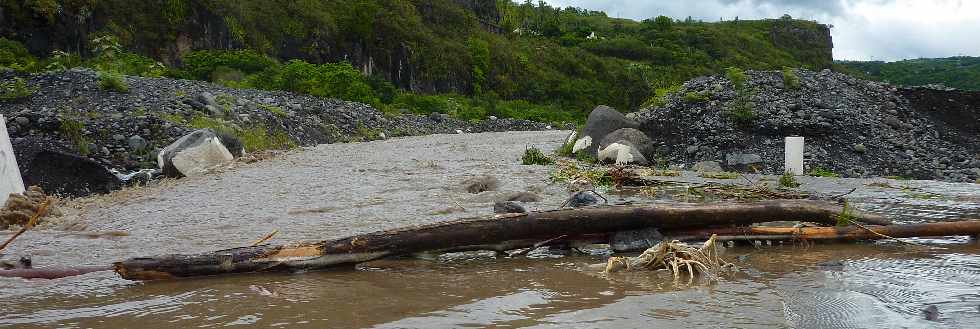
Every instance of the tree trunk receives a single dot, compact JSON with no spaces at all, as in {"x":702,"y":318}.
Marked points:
{"x":480,"y":231}
{"x":846,"y":233}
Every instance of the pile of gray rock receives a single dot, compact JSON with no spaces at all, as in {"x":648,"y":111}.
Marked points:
{"x":853,"y":127}
{"x":69,"y":117}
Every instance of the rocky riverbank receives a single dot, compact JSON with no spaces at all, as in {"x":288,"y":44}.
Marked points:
{"x":853,"y":127}
{"x":68,"y":113}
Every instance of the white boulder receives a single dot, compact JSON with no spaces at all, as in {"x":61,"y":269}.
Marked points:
{"x":622,"y":153}
{"x":194,"y":154}
{"x":581,"y":144}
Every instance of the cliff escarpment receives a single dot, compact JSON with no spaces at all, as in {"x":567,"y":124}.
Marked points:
{"x":572,"y":58}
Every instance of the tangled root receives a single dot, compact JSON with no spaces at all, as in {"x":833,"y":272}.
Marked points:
{"x":19,"y":208}
{"x":678,"y":258}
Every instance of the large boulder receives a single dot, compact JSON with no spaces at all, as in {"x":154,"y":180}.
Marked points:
{"x":193,"y":154}
{"x":59,"y":171}
{"x":744,"y":162}
{"x":626,"y":145}
{"x":602,"y":121}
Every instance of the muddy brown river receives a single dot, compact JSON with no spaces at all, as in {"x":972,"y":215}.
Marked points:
{"x":331,"y":191}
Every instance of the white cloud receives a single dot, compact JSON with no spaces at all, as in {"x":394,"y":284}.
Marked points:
{"x":863,"y":29}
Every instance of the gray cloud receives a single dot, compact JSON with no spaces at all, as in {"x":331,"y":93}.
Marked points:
{"x":863,"y":29}
{"x":829,"y":7}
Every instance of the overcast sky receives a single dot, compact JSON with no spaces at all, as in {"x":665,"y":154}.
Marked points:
{"x":863,"y":29}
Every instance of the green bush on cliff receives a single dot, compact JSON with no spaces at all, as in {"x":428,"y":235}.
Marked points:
{"x":737,"y":77}
{"x":112,"y":82}
{"x":790,"y":79}
{"x":15,"y":89}
{"x":961,"y":72}
{"x":13,"y":55}
{"x":501,"y":56}
{"x":202,"y":64}
{"x":336,"y":80}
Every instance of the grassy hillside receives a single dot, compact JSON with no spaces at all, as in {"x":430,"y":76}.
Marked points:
{"x":478,"y":57}
{"x":956,"y":72}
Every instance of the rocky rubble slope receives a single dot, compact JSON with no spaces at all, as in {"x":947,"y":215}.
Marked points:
{"x":125,"y":130}
{"x":853,"y":127}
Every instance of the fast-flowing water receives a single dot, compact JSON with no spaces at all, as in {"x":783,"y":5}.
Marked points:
{"x":336,"y":190}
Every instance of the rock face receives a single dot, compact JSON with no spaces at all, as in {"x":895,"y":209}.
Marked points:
{"x":602,"y":121}
{"x":853,"y":127}
{"x":194,"y":154}
{"x":58,"y":171}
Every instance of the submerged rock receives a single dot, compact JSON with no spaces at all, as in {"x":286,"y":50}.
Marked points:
{"x":508,"y":207}
{"x":583,"y":199}
{"x":480,"y":184}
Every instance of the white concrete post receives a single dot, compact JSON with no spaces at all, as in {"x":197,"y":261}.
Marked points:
{"x":794,"y":155}
{"x":10,"y":180}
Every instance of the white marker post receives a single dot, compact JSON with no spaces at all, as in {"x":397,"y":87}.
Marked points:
{"x":10,"y":180}
{"x":794,"y":155}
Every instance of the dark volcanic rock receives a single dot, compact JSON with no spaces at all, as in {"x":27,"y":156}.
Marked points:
{"x":45,"y":164}
{"x":508,"y":207}
{"x":852,"y":127}
{"x":602,"y":121}
{"x":640,"y":144}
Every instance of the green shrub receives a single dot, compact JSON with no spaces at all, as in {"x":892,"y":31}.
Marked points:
{"x":364,"y":134}
{"x":660,"y":95}
{"x":566,"y":149}
{"x":112,"y":82}
{"x":534,"y":156}
{"x":74,"y":131}
{"x":790,"y":80}
{"x":254,"y":138}
{"x":788,"y":180}
{"x":224,"y":74}
{"x":127,"y":63}
{"x":60,"y":61}
{"x":13,"y":55}
{"x":15,"y":89}
{"x":696,"y":97}
{"x":202,"y":64}
{"x":737,"y":77}
{"x":275,"y":110}
{"x":822,"y":172}
{"x":740,"y":109}
{"x":336,"y":80}
{"x":585,"y":157}
{"x":258,"y":138}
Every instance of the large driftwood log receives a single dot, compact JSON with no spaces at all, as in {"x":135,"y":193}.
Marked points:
{"x":846,"y":233}
{"x":479,"y":231}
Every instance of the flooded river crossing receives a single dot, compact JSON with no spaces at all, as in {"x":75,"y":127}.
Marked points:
{"x":331,"y":191}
